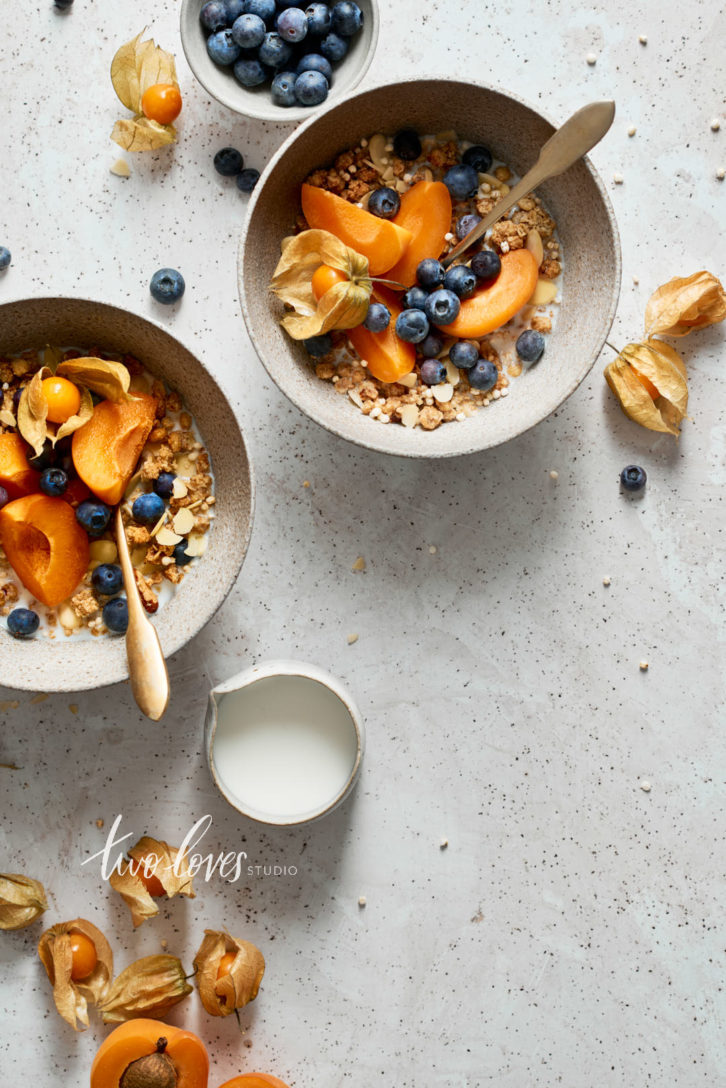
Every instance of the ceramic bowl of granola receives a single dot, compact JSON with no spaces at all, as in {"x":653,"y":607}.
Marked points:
{"x":221,"y":81}
{"x":397,"y":175}
{"x":102,"y":408}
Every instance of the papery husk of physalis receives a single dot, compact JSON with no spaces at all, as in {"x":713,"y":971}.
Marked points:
{"x":148,"y":987}
{"x":32,"y":419}
{"x":107,"y":378}
{"x":221,"y":997}
{"x":72,"y":998}
{"x":344,"y":306}
{"x":22,"y":901}
{"x":683,"y":305}
{"x":129,"y":885}
{"x":142,"y":134}
{"x":135,"y":67}
{"x":663,"y":367}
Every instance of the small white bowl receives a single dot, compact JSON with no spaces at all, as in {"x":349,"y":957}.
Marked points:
{"x":256,"y":101}
{"x":284,"y":742}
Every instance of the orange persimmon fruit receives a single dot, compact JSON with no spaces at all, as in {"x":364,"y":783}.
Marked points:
{"x":147,"y":1048}
{"x":162,"y":103}
{"x":62,"y":397}
{"x":324,"y":278}
{"x":83,"y":956}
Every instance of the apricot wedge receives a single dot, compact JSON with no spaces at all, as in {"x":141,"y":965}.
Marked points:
{"x":380,"y":240}
{"x":16,"y":475}
{"x":491,"y":307}
{"x":426,"y":212}
{"x":254,"y":1080}
{"x":45,"y":546}
{"x":138,"y":1039}
{"x":388,"y":358}
{"x":106,"y":449}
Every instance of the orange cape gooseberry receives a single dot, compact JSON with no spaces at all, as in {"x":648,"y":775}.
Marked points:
{"x":162,"y":103}
{"x":62,"y":397}
{"x":84,"y":956}
{"x":324,"y":278}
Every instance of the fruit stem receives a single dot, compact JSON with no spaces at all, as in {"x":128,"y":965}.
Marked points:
{"x":612,"y":347}
{"x":161,"y":1045}
{"x":389,"y":283}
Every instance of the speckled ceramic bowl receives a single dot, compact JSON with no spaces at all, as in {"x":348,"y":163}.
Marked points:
{"x":70,"y":664}
{"x":256,"y":101}
{"x":515,"y":131}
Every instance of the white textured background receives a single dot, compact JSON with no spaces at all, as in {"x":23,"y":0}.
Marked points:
{"x":572,"y":933}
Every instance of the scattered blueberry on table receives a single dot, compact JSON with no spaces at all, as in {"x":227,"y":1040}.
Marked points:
{"x":247,"y":179}
{"x":23,"y":622}
{"x":116,"y":615}
{"x":228,"y":162}
{"x":167,"y":285}
{"x":5,"y":258}
{"x":63,"y":5}
{"x":633,"y":478}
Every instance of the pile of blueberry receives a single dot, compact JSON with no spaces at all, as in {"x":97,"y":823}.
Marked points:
{"x":276,"y":42}
{"x":5,"y":258}
{"x":229,"y":163}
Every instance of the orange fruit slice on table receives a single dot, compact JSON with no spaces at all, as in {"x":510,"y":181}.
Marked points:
{"x":426,"y":212}
{"x":388,"y":358}
{"x":492,"y":306}
{"x":380,"y":240}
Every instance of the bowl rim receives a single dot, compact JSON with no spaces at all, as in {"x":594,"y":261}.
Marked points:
{"x":182,"y":637}
{"x":383,"y":447}
{"x":276,"y":114}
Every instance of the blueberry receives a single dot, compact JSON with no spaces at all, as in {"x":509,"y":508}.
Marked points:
{"x":318,"y":346}
{"x":385,"y":203}
{"x":213,"y":16}
{"x":16,"y":398}
{"x":461,"y":280}
{"x":407,"y":145}
{"x":63,"y":5}
{"x":148,"y":508}
{"x":228,"y":162}
{"x":107,"y":579}
{"x":633,"y":478}
{"x":5,"y":258}
{"x":264,"y":8}
{"x":412,"y":326}
{"x":430,"y":273}
{"x":311,"y":88}
{"x":318,"y":17}
{"x":315,"y":62}
{"x":274,"y":50}
{"x":93,"y":516}
{"x":23,"y":622}
{"x":234,"y":10}
{"x":292,"y":25}
{"x":282,"y":90}
{"x":247,"y":180}
{"x":249,"y":31}
{"x":53,"y":481}
{"x":462,"y":181}
{"x":479,"y":157}
{"x":530,"y":345}
{"x":442,"y":307}
{"x":222,"y":48}
{"x":464,"y":354}
{"x":466,"y":224}
{"x":346,"y":18}
{"x":433,"y":372}
{"x":163,"y":485}
{"x":415,"y":298}
{"x":333,"y":47}
{"x":180,"y":556}
{"x":167,"y":285}
{"x":486,"y":265}
{"x":431,"y":346}
{"x":378,"y":317}
{"x":4,"y":497}
{"x":483,"y":375}
{"x":250,"y":73}
{"x":116,"y":615}
{"x":44,"y":459}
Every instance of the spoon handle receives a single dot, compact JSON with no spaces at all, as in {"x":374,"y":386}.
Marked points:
{"x":568,"y":144}
{"x":147,"y":668}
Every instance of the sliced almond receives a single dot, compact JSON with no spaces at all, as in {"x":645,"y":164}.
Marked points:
{"x":443,"y":393}
{"x":428,"y":174}
{"x":408,"y":380}
{"x":167,"y":538}
{"x":452,"y":372}
{"x":121,"y":169}
{"x":544,"y":293}
{"x":402,"y":186}
{"x":196,"y":544}
{"x":67,"y":618}
{"x":356,"y":398}
{"x":179,"y":488}
{"x":377,"y":151}
{"x":535,"y":247}
{"x":408,"y":415}
{"x":183,"y":521}
{"x":388,"y":174}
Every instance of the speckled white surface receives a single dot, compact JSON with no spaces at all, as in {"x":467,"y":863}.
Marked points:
{"x":572,"y":932}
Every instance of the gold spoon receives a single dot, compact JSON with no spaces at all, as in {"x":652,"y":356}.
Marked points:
{"x":571,"y":141}
{"x":147,"y":668}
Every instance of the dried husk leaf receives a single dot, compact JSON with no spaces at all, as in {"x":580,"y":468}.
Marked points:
{"x":685,"y":304}
{"x":72,"y":998}
{"x":82,"y":416}
{"x":33,"y":411}
{"x":137,"y":66}
{"x":172,"y":871}
{"x":142,"y":134}
{"x":22,"y":901}
{"x":149,"y":987}
{"x":344,"y":306}
{"x":105,"y":377}
{"x":661,"y":365}
{"x":221,"y":997}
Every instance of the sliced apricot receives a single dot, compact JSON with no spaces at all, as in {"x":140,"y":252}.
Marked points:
{"x":388,"y":358}
{"x":426,"y":212}
{"x":45,"y":546}
{"x":492,"y":306}
{"x":254,"y":1080}
{"x":106,"y":449}
{"x":380,"y":240}
{"x":17,"y":476}
{"x":141,"y":1039}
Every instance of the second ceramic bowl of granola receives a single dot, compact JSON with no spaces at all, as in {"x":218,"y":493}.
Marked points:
{"x":586,"y":231}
